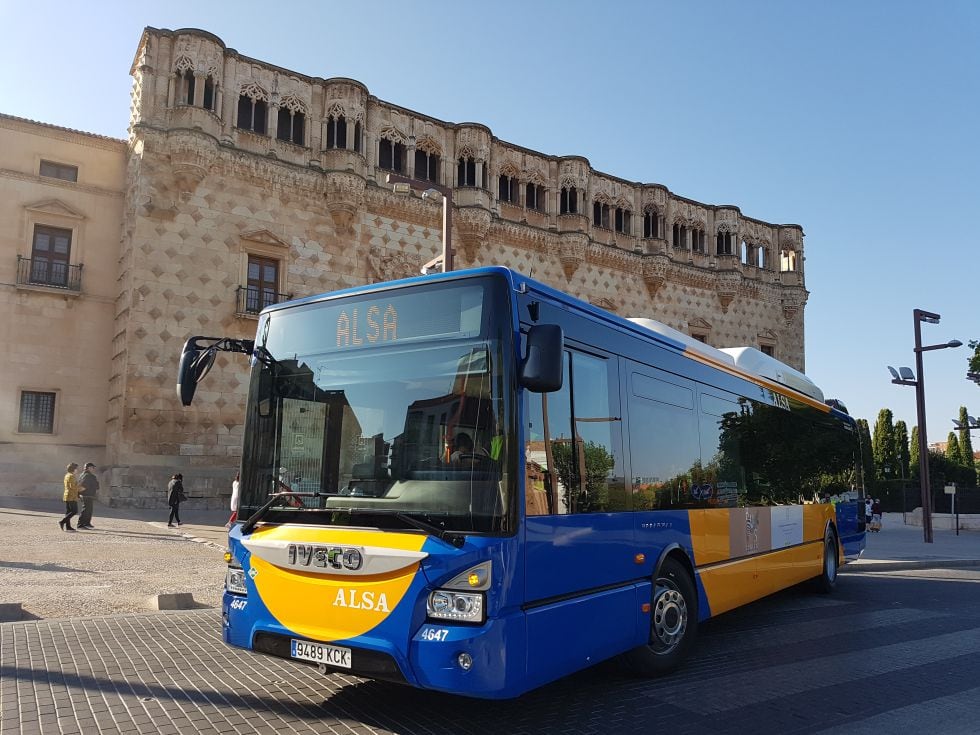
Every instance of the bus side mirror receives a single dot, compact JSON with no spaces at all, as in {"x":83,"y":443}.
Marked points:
{"x":541,"y":371}
{"x":195,"y":362}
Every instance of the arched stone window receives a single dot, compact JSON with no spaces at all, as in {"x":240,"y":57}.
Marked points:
{"x":427,"y":162}
{"x":187,"y":83}
{"x":651,"y":224}
{"x":624,"y":222}
{"x":337,"y":131}
{"x":252,"y":109}
{"x":787,"y":260}
{"x":679,"y":233}
{"x":600,"y":215}
{"x":697,"y":239}
{"x":508,"y":188}
{"x":357,"y":136}
{"x":535,"y":197}
{"x":209,"y":96}
{"x":762,"y":257}
{"x":724,"y":244}
{"x":569,"y":200}
{"x":391,"y":155}
{"x":466,"y":171}
{"x":291,"y":125}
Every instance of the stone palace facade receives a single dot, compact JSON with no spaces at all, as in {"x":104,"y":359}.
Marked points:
{"x":243,"y":184}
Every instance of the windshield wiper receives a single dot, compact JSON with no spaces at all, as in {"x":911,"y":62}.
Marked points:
{"x":450,"y":537}
{"x":274,"y":500}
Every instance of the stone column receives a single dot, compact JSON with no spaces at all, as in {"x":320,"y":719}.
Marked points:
{"x":272,"y":119}
{"x":199,"y":89}
{"x":172,"y":90}
{"x":410,"y":155}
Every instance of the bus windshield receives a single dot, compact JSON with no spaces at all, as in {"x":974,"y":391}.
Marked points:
{"x":384,"y":410}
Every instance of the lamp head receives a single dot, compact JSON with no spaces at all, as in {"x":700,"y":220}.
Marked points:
{"x":893,"y":371}
{"x":954,"y":343}
{"x":401,"y":188}
{"x":906,"y":373}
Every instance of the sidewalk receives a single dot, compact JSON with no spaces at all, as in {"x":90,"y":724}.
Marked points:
{"x":898,"y":546}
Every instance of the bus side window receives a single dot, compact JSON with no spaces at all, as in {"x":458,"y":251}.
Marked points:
{"x":571,"y":459}
{"x":665,"y":452}
{"x":548,"y":419}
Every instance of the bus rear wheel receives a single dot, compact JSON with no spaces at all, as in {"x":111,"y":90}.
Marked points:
{"x":827,"y":580}
{"x":673,"y":623}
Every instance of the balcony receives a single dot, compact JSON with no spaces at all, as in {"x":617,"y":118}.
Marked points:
{"x":49,"y":274}
{"x":250,"y":300}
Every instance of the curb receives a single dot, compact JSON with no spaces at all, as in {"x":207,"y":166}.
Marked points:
{"x":866,"y":566}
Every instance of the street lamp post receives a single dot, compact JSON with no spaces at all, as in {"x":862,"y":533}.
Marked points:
{"x":906,"y":377}
{"x":430,"y":190}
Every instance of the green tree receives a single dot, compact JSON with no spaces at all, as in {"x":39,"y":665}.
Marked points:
{"x":973,"y":364}
{"x":867,"y":460}
{"x":883,"y":446}
{"x":902,"y":448}
{"x":966,"y":446}
{"x":914,"y":453}
{"x":953,"y":449}
{"x":593,"y":494}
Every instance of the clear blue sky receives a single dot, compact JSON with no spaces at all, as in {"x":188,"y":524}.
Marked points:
{"x":857,"y":120}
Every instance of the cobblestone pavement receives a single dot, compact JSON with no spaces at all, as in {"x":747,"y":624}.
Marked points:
{"x":886,"y":652}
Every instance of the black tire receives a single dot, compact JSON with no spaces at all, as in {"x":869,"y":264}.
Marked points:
{"x":673,"y":623}
{"x":827,"y":581}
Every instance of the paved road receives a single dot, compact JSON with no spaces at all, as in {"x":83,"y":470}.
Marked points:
{"x":889,"y":651}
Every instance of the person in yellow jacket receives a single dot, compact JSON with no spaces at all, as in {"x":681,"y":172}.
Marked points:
{"x":71,"y":497}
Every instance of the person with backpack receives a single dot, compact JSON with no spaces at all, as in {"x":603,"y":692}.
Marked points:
{"x":175,"y":495}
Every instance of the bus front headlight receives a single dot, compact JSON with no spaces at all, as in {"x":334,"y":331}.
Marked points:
{"x":463,"y":607}
{"x":235,"y":580}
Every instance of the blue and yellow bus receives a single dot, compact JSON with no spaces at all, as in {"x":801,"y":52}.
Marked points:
{"x":474,"y":483}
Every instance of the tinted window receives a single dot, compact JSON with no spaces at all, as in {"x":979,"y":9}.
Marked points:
{"x":573,"y":465}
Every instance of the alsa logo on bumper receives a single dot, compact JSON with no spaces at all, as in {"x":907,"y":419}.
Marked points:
{"x":361,"y":600}
{"x":325,"y":557}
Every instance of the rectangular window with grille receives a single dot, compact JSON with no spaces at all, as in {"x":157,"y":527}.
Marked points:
{"x":36,"y":412}
{"x":262,"y":288}
{"x":59,"y":171}
{"x":50,"y":253}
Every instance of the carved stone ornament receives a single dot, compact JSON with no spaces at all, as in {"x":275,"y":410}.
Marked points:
{"x":471,"y":225}
{"x":390,"y":265}
{"x":655,"y":272}
{"x":191,"y":157}
{"x":793,"y":299}
{"x":344,"y":194}
{"x":727,"y":287}
{"x":572,"y":249}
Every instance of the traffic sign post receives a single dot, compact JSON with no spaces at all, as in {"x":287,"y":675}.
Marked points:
{"x":951,"y":491}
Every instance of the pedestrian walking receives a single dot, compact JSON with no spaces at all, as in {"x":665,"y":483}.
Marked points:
{"x":70,"y":496}
{"x":868,"y":503}
{"x":876,"y":515}
{"x":89,"y":487}
{"x":175,"y":494}
{"x":235,"y":488}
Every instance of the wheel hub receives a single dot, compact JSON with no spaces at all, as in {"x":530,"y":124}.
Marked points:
{"x":669,"y":617}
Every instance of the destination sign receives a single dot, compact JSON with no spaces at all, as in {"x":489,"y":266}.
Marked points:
{"x":440,"y":311}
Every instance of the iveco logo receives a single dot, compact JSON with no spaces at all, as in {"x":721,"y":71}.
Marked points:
{"x":325,"y":557}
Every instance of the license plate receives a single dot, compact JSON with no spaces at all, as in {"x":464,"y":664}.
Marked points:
{"x":320,"y":653}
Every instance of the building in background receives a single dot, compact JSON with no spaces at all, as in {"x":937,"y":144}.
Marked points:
{"x":243,"y":184}
{"x":61,"y":205}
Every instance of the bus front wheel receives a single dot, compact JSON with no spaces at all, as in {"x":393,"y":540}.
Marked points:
{"x":673,"y":623}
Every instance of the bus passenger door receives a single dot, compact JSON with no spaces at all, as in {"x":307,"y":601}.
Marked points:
{"x":579,"y":531}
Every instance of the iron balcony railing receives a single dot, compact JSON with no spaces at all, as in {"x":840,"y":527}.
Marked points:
{"x":49,"y":273}
{"x":252,"y":299}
